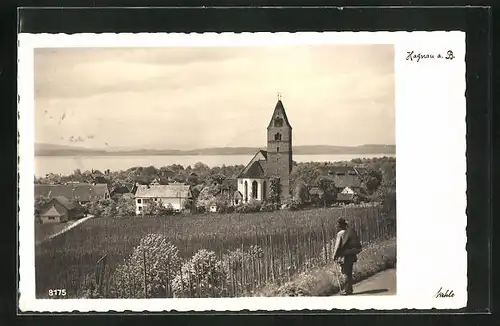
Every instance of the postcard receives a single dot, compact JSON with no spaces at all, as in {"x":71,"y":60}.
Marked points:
{"x":251,"y":171}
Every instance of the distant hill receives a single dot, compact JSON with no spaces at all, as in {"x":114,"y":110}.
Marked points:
{"x":43,"y":149}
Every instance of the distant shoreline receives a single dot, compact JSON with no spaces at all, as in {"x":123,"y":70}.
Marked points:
{"x":41,"y":150}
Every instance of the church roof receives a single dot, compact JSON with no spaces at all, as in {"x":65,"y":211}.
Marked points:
{"x":279,"y":108}
{"x":263,"y":153}
{"x":256,"y":170}
{"x":260,"y":156}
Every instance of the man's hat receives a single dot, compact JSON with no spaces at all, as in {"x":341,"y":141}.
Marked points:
{"x":341,"y":221}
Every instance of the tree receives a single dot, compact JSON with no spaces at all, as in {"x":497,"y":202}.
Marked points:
{"x":275,"y":191}
{"x":125,"y":205}
{"x":301,"y":194}
{"x":305,"y":172}
{"x":96,"y":208}
{"x":109,"y":208}
{"x":196,"y":190}
{"x":40,"y":202}
{"x":152,"y":208}
{"x":188,"y":204}
{"x":373,"y":179}
{"x":327,"y":186}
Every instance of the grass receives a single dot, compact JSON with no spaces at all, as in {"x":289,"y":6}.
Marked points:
{"x":43,"y":231}
{"x":66,"y":260}
{"x":374,"y":258}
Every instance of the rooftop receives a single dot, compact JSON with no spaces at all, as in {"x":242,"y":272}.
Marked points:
{"x":163,"y":191}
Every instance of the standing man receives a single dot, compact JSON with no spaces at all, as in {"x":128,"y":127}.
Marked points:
{"x":347,"y":247}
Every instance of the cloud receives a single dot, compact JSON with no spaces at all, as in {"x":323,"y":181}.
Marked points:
{"x":201,"y":97}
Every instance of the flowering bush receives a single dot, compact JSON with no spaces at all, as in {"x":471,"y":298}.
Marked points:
{"x":153,"y":263}
{"x":201,"y":276}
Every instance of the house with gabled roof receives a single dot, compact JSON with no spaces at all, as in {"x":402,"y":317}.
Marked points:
{"x":175,"y":194}
{"x":122,"y":188}
{"x":349,"y":181}
{"x":60,"y":209}
{"x":275,"y":162}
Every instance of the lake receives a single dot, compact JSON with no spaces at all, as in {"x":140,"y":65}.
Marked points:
{"x":65,"y":165}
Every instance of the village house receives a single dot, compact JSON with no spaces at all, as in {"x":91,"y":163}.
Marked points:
{"x":122,"y":188}
{"x":349,"y":183}
{"x":174,"y":194}
{"x":80,"y":192}
{"x":98,"y":179}
{"x":219,"y":192}
{"x":60,"y":209}
{"x":275,"y":162}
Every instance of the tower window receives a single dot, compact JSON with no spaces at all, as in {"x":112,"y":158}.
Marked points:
{"x":277,"y":149}
{"x":277,"y":136}
{"x":278,"y":122}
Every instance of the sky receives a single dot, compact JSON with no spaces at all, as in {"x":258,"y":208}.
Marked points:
{"x":198,"y":97}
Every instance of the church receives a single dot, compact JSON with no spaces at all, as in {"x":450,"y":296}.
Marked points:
{"x":275,"y":162}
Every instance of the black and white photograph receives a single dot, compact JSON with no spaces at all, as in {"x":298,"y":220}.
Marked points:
{"x":237,"y":171}
{"x":215,"y":171}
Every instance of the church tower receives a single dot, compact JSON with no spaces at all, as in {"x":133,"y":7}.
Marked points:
{"x":279,"y":148}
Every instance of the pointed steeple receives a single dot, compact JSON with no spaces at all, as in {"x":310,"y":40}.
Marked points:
{"x":279,"y":113}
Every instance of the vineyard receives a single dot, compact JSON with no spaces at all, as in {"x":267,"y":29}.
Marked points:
{"x":196,"y":255}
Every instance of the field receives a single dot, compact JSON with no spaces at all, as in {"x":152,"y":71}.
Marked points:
{"x":43,"y":231}
{"x":291,"y":241}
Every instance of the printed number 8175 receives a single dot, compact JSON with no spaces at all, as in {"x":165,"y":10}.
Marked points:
{"x":57,"y":292}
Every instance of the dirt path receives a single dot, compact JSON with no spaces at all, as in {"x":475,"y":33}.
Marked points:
{"x":383,"y":283}
{"x":66,"y":229}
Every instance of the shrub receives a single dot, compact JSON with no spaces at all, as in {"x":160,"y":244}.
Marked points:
{"x":165,"y":210}
{"x":268,"y":207}
{"x":251,"y":207}
{"x":157,"y":208}
{"x":228,"y":209}
{"x":201,"y":276}
{"x":161,"y":261}
{"x":200,"y":209}
{"x":241,"y":209}
{"x":293,"y":204}
{"x":105,"y":207}
{"x":222,"y":206}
